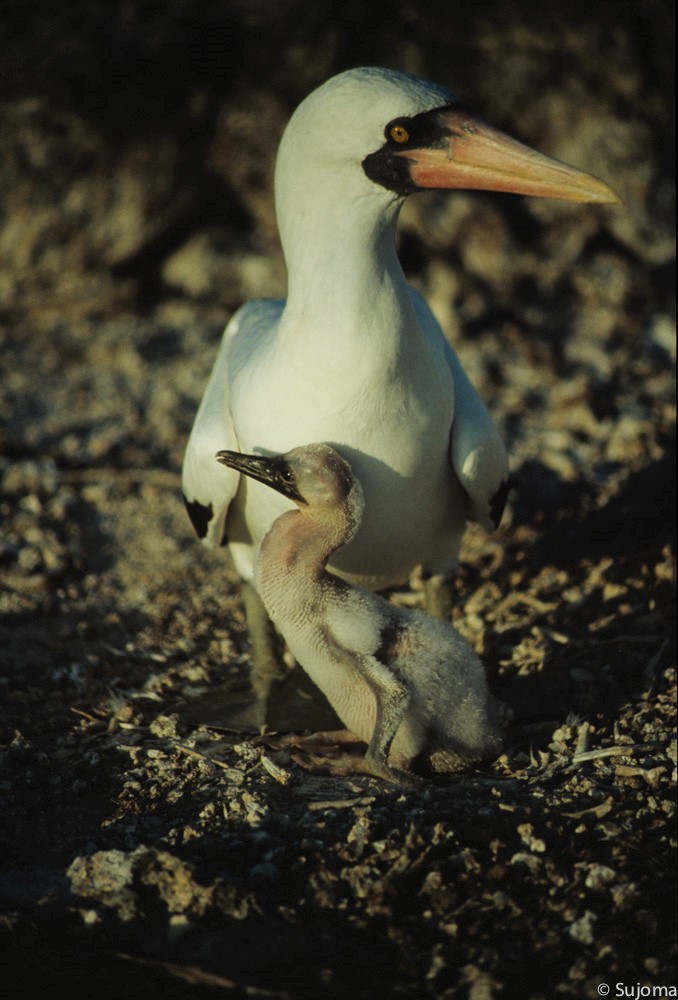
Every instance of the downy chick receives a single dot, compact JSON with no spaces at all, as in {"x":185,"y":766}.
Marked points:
{"x":405,"y":683}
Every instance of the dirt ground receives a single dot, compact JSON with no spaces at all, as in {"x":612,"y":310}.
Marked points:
{"x":145,"y":851}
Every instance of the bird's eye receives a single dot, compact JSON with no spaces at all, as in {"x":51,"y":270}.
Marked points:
{"x":287,"y":475}
{"x":399,"y":134}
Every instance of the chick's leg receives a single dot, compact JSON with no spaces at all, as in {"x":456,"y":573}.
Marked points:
{"x":392,"y":699}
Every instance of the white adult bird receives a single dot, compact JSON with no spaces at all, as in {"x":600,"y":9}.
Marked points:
{"x":354,"y":356}
{"x":405,"y":683}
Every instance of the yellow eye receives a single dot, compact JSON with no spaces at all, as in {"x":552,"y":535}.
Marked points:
{"x":399,"y":134}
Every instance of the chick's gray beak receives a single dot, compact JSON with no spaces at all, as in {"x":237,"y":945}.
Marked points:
{"x":272,"y":470}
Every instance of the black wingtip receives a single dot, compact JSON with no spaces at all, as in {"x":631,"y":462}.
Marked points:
{"x":498,"y":503}
{"x":199,"y":515}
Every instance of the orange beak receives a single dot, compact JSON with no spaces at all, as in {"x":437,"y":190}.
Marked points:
{"x":480,"y":157}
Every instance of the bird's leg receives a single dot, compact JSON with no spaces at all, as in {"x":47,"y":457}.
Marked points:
{"x":392,"y":699}
{"x":267,"y":662}
{"x":439,"y":596}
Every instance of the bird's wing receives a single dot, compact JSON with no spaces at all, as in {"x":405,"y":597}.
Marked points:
{"x":356,"y":622}
{"x":209,"y":486}
{"x":477,"y":451}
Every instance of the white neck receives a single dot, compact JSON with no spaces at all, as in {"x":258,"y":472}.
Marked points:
{"x":338,"y":236}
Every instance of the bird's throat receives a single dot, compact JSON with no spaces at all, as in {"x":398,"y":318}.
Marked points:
{"x":347,"y":294}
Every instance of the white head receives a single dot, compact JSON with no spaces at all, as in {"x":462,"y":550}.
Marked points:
{"x":343,"y":121}
{"x":375,"y":135}
{"x":319,"y":170}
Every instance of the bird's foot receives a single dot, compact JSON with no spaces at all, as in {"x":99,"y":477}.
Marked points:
{"x":340,"y":754}
{"x":379,"y":768}
{"x":316,"y":745}
{"x":346,"y":765}
{"x":290,"y":704}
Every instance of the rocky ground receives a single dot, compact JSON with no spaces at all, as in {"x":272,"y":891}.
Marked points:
{"x":147,"y":853}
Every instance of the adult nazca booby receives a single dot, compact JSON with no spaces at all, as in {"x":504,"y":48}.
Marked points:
{"x":353,"y":355}
{"x":402,"y":681}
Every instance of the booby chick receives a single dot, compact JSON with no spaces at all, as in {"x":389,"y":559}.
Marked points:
{"x":355,"y":356}
{"x":402,"y":681}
